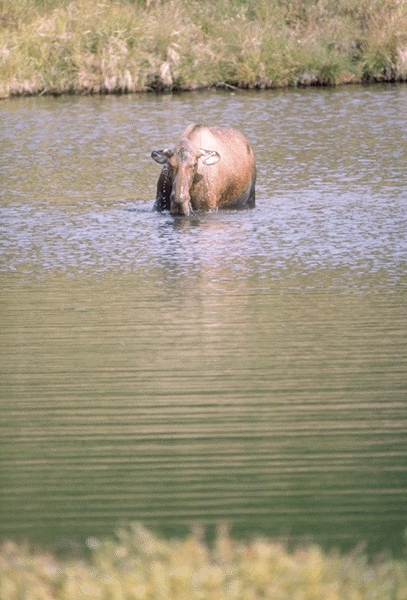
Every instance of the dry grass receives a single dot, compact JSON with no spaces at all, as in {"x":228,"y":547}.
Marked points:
{"x":118,"y":46}
{"x":140,"y":566}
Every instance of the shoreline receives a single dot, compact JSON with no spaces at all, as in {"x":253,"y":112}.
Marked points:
{"x":222,"y":86}
{"x":196,"y":88}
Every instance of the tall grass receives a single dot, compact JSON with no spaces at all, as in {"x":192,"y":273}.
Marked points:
{"x":117,"y":46}
{"x":139,"y":566}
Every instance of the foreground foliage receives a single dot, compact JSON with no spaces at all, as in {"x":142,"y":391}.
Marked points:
{"x":139,"y":566}
{"x":115,"y":46}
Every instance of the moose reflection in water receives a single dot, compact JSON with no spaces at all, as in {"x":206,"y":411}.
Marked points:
{"x":210,"y":168}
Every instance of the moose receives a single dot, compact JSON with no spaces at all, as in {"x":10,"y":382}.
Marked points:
{"x":209,"y":168}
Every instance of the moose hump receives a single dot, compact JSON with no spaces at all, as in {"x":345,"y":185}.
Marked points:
{"x":209,"y":168}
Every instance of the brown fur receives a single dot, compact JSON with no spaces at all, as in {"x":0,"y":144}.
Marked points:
{"x":227,"y":180}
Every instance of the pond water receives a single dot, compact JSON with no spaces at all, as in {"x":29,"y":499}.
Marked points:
{"x":238,"y":366}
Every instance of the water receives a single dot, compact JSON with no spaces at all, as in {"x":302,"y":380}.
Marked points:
{"x":239,"y":366}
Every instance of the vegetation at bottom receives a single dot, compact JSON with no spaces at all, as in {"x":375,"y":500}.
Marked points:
{"x":118,"y":46}
{"x":139,"y":566}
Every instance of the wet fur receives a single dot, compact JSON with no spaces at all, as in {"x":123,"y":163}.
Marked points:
{"x":228,"y":183}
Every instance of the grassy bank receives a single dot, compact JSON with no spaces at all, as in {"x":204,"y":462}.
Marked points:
{"x":139,"y":566}
{"x":117,"y":46}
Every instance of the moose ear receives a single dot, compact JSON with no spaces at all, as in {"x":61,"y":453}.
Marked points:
{"x":209,"y":157}
{"x":161,"y":156}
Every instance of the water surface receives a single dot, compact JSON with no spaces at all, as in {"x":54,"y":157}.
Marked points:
{"x":247,"y":366}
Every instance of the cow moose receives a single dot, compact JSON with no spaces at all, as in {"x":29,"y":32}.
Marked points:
{"x":209,"y":168}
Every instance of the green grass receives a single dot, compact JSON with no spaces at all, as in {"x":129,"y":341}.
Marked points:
{"x":140,"y":566}
{"x":119,"y":46}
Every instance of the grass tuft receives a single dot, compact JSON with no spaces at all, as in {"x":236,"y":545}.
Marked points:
{"x":140,"y":566}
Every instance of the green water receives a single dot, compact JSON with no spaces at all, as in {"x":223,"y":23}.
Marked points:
{"x":247,"y":367}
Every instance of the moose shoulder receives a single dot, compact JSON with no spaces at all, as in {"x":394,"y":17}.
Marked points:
{"x":209,"y":168}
